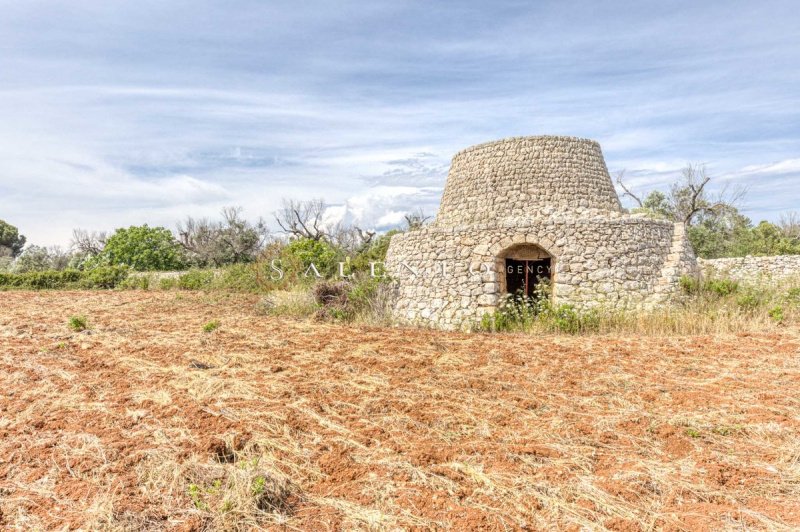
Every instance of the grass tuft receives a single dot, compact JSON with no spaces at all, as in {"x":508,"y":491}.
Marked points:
{"x":78,"y":323}
{"x":211,"y":326}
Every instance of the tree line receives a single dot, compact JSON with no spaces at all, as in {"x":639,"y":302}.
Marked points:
{"x":205,"y":243}
{"x":714,"y":223}
{"x":715,"y":226}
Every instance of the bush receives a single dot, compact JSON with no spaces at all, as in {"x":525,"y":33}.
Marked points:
{"x":306,"y":252}
{"x":196,"y":280}
{"x":750,"y":299}
{"x":211,"y":326}
{"x":242,"y":278}
{"x":168,"y":283}
{"x":793,"y":296}
{"x":777,"y":314}
{"x":374,"y":252}
{"x":136,"y":282}
{"x":41,"y":280}
{"x":689,"y":285}
{"x":78,"y":323}
{"x":519,"y":312}
{"x":142,"y":248}
{"x":333,"y":299}
{"x":104,"y":277}
{"x":721,"y":287}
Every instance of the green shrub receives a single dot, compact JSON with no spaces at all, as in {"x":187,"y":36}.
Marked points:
{"x":167,"y":283}
{"x":363,"y":292}
{"x":211,"y":326}
{"x":143,"y":248}
{"x":750,"y":300}
{"x":305,"y":252}
{"x":196,"y":280}
{"x":374,"y":252}
{"x":52,"y":279}
{"x":693,"y":432}
{"x":41,"y":280}
{"x":689,"y":285}
{"x":104,"y":277}
{"x":721,"y":287}
{"x":78,"y":323}
{"x":566,"y":319}
{"x":793,"y":296}
{"x":136,"y":282}
{"x":357,"y":298}
{"x":251,"y":277}
{"x":523,"y":313}
{"x":777,"y":314}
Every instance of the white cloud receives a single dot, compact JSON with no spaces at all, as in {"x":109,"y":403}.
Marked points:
{"x":149,"y":112}
{"x":383,"y":207}
{"x":787,"y":166}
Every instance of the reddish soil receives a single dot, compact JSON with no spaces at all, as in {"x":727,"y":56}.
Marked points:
{"x":145,"y":421}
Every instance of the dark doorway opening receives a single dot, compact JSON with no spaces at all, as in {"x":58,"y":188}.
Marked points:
{"x":524,"y":276}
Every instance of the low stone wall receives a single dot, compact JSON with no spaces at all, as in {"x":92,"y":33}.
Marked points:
{"x":743,"y":269}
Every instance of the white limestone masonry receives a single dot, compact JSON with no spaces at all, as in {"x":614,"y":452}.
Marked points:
{"x":753,"y":269}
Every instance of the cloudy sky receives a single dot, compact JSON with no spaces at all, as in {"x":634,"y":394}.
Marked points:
{"x":118,"y":113}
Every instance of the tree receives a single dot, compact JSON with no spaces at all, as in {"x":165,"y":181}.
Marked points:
{"x":233,"y":240}
{"x":658,"y":205}
{"x":690,"y":199}
{"x":305,"y":220}
{"x":715,"y":226}
{"x":789,"y":224}
{"x":723,"y":234}
{"x":305,"y":252}
{"x":302,"y":219}
{"x":88,"y":243}
{"x":416,"y":219}
{"x":350,"y":238}
{"x":39,"y":259}
{"x":11,"y":242}
{"x":143,"y":248}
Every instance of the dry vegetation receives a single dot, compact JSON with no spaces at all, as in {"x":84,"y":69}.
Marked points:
{"x":149,"y":418}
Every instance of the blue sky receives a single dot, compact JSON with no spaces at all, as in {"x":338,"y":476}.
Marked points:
{"x":119,"y":113}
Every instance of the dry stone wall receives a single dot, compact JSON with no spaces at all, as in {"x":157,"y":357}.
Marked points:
{"x":753,"y":269}
{"x":525,"y":176}
{"x":553,"y":193}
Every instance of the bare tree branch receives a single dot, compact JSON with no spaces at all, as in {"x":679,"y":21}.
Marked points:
{"x":302,"y":219}
{"x":232,"y":240}
{"x":790,"y":224}
{"x":689,"y":197}
{"x":416,"y":219}
{"x":90,"y":243}
{"x":628,"y":193}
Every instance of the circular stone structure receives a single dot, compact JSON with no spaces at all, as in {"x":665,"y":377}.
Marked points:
{"x":517,"y":211}
{"x":499,"y":180}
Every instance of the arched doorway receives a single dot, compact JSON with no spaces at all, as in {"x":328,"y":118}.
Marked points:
{"x":524,"y":268}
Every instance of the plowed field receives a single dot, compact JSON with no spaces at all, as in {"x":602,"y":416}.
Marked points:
{"x":147,"y":421}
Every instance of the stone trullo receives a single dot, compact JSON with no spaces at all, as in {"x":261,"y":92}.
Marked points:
{"x":520,"y":210}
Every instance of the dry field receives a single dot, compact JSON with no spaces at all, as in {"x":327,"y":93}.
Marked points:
{"x":146,"y":421}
